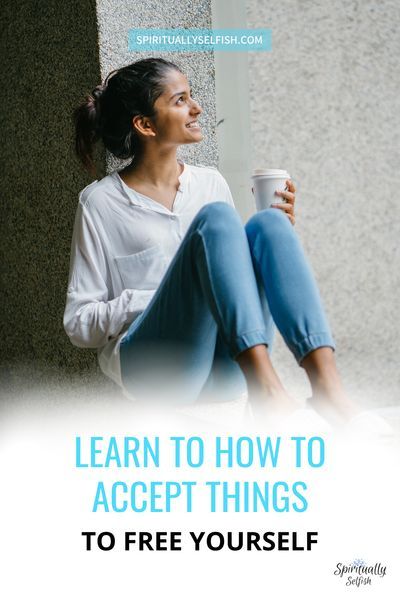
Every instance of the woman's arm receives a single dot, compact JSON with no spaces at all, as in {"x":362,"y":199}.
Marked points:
{"x":91,"y":319}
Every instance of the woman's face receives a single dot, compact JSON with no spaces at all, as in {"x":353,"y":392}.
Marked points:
{"x":177,"y":112}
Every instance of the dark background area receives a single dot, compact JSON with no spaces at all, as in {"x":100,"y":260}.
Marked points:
{"x":50,"y":55}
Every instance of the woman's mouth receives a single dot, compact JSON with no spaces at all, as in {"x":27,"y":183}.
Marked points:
{"x":193,"y":125}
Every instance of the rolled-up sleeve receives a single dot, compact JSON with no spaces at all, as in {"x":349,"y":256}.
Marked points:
{"x":91,"y":317}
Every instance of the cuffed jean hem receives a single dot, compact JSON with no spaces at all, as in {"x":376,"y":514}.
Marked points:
{"x":310,"y":343}
{"x":248,"y":340}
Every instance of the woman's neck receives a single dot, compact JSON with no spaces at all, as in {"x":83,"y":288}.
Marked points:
{"x":159,"y":169}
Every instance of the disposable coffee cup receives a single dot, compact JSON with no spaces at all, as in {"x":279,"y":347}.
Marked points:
{"x":265,"y":183}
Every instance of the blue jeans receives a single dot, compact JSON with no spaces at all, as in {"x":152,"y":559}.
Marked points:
{"x":223,"y":292}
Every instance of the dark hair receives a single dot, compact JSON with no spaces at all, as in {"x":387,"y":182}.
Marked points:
{"x":106,"y":114}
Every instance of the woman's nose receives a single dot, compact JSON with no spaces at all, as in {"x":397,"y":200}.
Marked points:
{"x":196,"y":108}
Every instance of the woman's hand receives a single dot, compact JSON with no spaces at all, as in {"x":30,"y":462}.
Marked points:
{"x":289,"y":196}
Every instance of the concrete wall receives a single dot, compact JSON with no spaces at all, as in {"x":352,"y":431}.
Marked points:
{"x":51,"y":57}
{"x":325,"y":105}
{"x":199,"y":66}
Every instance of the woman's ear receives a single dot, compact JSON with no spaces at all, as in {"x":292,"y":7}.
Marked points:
{"x":143,"y":126}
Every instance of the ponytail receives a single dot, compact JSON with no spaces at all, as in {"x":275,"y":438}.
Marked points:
{"x":87,"y":122}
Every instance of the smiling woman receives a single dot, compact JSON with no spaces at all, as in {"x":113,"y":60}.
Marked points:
{"x":123,"y":111}
{"x":177,"y":296}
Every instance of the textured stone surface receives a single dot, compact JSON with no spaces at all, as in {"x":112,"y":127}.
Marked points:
{"x":325,"y":106}
{"x":198,"y":66}
{"x":51,"y":58}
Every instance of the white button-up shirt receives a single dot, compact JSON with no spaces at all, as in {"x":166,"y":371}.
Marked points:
{"x":122,"y":245}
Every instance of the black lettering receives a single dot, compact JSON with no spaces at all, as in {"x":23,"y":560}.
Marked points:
{"x":176,"y":540}
{"x":310,"y":540}
{"x":295,"y":546}
{"x":270,"y":542}
{"x":283,"y":538}
{"x":88,"y":535}
{"x":220,"y":538}
{"x":197,"y":539}
{"x":111,"y":543}
{"x":230,"y":543}
{"x":252,"y":540}
{"x":129,"y":538}
{"x":144,"y":540}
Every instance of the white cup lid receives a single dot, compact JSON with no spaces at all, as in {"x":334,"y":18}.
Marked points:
{"x":270,"y":173}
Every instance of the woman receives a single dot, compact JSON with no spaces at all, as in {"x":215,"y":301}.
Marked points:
{"x":165,"y":281}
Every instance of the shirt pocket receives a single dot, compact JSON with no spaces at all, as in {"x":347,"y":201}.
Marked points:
{"x":142,"y":270}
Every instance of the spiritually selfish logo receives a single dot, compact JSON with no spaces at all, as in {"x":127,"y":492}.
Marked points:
{"x":359,"y":573}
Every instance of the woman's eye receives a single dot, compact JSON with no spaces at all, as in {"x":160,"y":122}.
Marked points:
{"x":183,"y":97}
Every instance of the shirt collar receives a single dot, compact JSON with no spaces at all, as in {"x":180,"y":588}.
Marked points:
{"x":138,"y":199}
